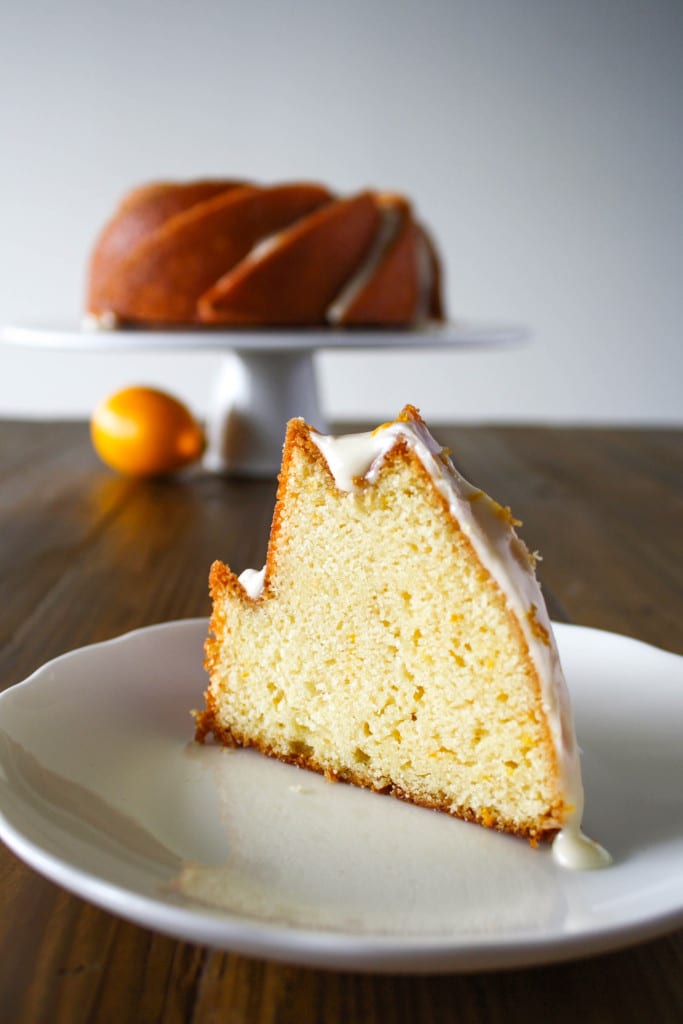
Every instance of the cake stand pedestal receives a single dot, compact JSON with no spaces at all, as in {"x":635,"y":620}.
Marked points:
{"x":266,"y":377}
{"x":254,"y":396}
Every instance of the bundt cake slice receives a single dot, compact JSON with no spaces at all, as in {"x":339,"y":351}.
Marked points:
{"x":397,"y":638}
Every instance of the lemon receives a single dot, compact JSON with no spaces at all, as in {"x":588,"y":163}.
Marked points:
{"x":141,"y":431}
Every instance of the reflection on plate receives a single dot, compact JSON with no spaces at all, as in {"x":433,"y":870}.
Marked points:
{"x":103,"y":791}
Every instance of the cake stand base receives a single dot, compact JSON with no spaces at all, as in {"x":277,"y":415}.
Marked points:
{"x":254,"y":395}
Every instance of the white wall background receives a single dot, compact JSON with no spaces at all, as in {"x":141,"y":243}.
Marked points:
{"x":542,"y":141}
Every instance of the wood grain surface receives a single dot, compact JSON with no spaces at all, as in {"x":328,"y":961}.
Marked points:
{"x":86,"y":555}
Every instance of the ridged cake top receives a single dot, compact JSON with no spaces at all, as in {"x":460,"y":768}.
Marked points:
{"x":355,"y":460}
{"x":239,"y":254}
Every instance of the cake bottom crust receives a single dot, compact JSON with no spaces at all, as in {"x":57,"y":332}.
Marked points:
{"x":206,"y":724}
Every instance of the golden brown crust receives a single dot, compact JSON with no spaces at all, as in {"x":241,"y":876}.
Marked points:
{"x":436,"y":304}
{"x":392,"y":293}
{"x":142,"y":212}
{"x":176,"y":253}
{"x":295,"y":281}
{"x":207,"y":724}
{"x":165,"y":276}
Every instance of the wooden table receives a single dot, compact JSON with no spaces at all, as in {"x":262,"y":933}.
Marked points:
{"x":86,"y":555}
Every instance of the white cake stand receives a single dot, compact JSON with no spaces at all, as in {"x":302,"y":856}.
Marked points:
{"x":266,"y":376}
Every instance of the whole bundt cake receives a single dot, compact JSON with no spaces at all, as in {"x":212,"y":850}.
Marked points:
{"x":232,"y":253}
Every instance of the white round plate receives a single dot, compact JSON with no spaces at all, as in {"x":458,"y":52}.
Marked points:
{"x":459,"y":334}
{"x":103,"y":791}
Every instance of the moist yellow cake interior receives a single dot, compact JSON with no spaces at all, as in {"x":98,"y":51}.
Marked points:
{"x":382,"y":652}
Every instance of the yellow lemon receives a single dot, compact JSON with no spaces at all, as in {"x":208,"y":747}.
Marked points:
{"x":141,"y":431}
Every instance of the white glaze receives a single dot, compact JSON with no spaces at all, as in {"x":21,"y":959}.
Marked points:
{"x":357,"y":458}
{"x":266,"y":245}
{"x":252,"y":580}
{"x":389,"y":227}
{"x":107,"y":321}
{"x":573,"y":849}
